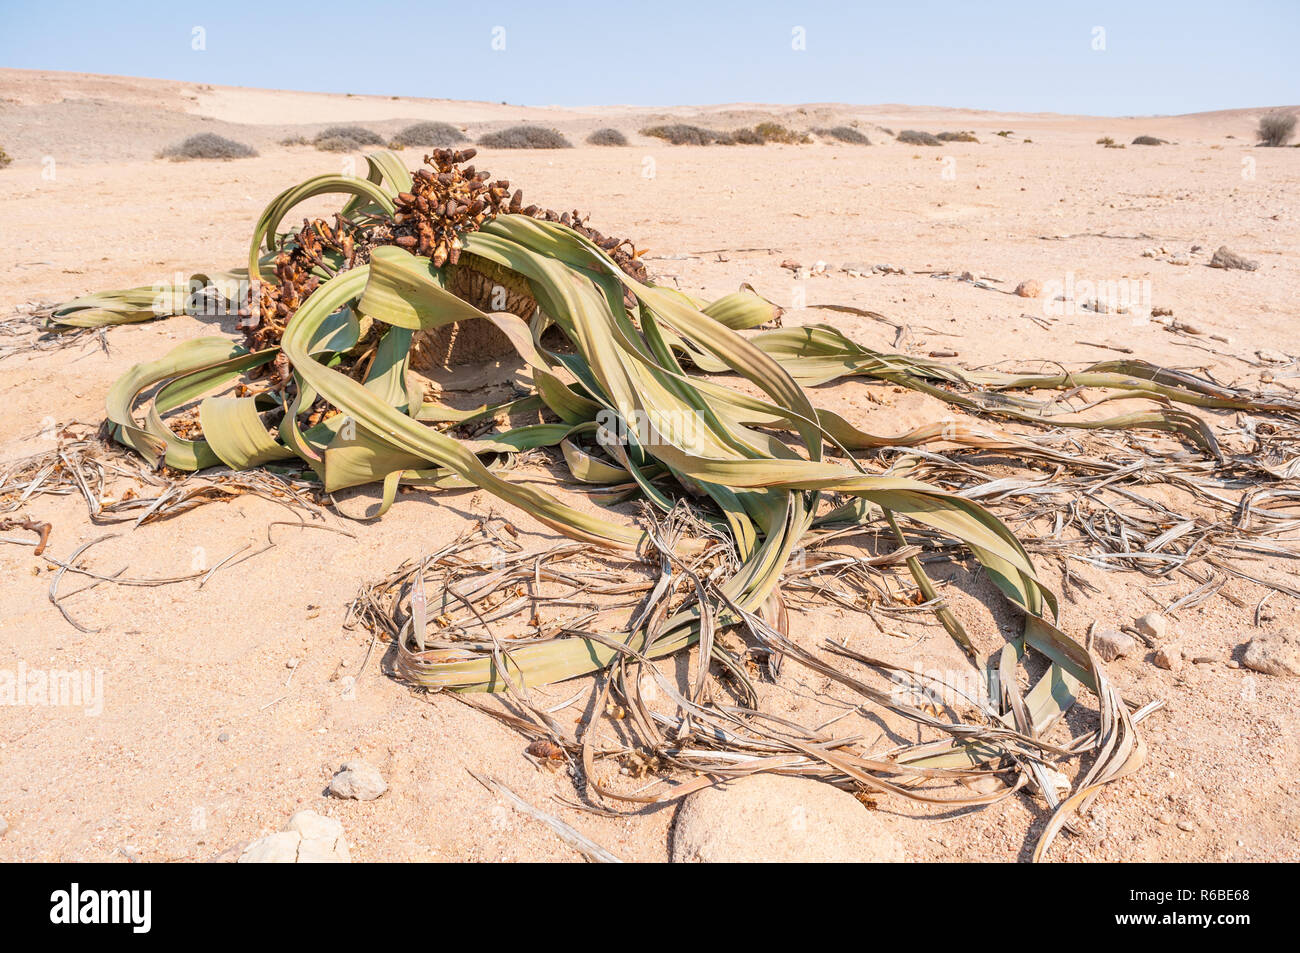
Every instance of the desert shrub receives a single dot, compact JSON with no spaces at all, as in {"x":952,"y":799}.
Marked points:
{"x":748,"y":137}
{"x":1106,"y":141}
{"x":775,"y":132}
{"x":1004,"y":133}
{"x":295,"y":141}
{"x":724,"y":139}
{"x":207,"y":145}
{"x":681,"y":134}
{"x":525,"y":137}
{"x":430,"y":134}
{"x":4,"y":158}
{"x":1148,"y":141}
{"x":957,"y":137}
{"x":844,"y":134}
{"x":346,"y":138}
{"x":607,"y":137}
{"x":1276,"y":129}
{"x":914,"y":137}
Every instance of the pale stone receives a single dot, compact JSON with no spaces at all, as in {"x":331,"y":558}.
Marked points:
{"x":358,"y":780}
{"x":323,"y":852}
{"x":308,"y":838}
{"x":769,"y":818}
{"x":1111,"y":644}
{"x":1153,"y":626}
{"x":281,"y":848}
{"x":1273,"y":654}
{"x":312,"y":826}
{"x":1169,"y":657}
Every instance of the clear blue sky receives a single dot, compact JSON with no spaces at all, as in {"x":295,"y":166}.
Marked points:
{"x":1159,"y":57}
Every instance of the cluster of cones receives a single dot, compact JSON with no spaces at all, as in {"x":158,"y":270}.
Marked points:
{"x":446,"y":200}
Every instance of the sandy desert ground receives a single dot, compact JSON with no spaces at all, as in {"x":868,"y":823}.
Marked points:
{"x":207,"y":740}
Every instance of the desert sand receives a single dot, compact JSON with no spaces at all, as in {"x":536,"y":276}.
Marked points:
{"x":208,"y":740}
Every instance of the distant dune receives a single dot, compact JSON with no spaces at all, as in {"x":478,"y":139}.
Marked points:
{"x":86,"y":117}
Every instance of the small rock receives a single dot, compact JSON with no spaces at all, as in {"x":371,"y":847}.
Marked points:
{"x":358,"y":780}
{"x":291,"y":663}
{"x":1273,"y":654}
{"x":322,"y":839}
{"x":768,"y":818}
{"x":4,"y":826}
{"x":223,"y":737}
{"x":1153,"y":626}
{"x":1029,"y":288}
{"x":791,"y":264}
{"x":1111,"y":644}
{"x":323,"y":852}
{"x":1227,"y":258}
{"x":1166,"y":818}
{"x":281,"y":848}
{"x":1186,"y":826}
{"x":312,"y":826}
{"x":1273,"y":357}
{"x":1181,"y":260}
{"x":308,"y":838}
{"x":1169,"y":657}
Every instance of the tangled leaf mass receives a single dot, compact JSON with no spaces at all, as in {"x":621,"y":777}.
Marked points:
{"x":734,"y":485}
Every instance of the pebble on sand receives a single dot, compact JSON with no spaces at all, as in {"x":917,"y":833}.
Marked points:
{"x":1225,"y":257}
{"x":1273,"y":654}
{"x":1169,"y":657}
{"x":768,"y":818}
{"x":358,"y":780}
{"x":1152,"y":626}
{"x":1029,"y":288}
{"x":308,"y":838}
{"x":1111,"y":644}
